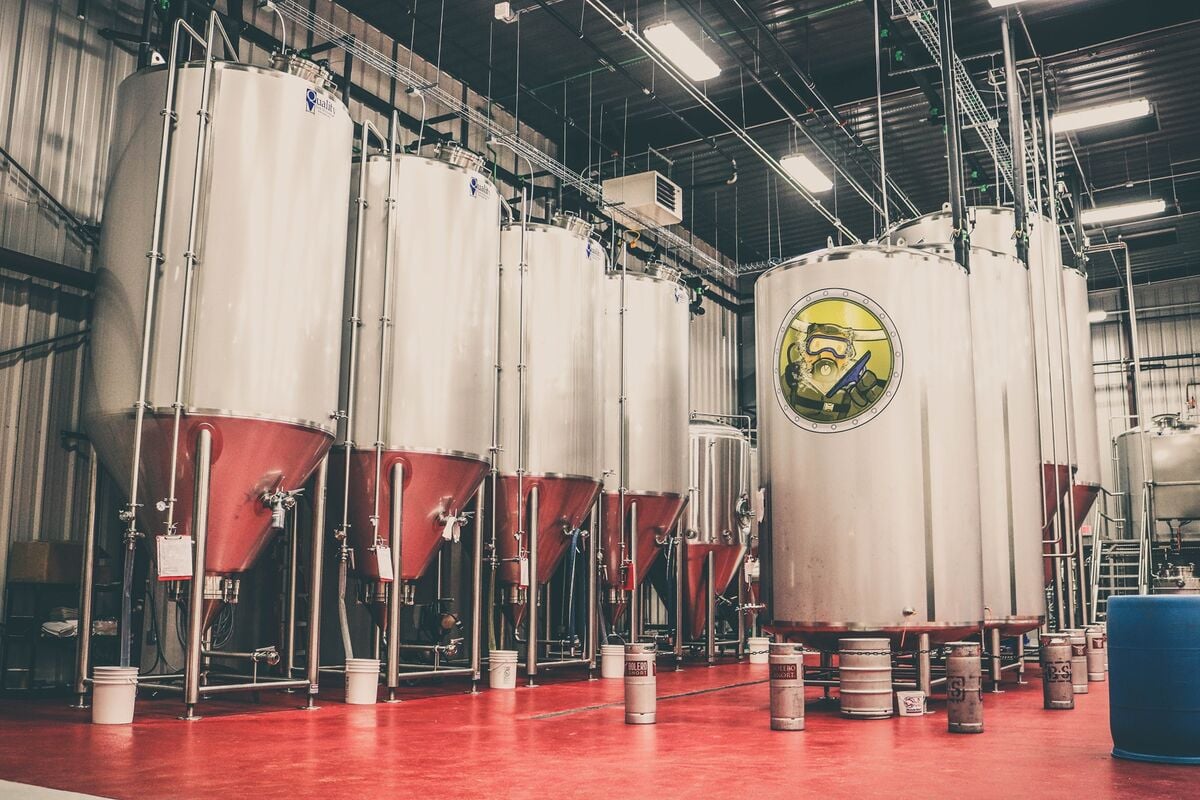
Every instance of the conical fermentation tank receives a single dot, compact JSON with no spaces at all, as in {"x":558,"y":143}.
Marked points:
{"x":718,"y":515}
{"x":258,"y":368}
{"x":867,"y":446}
{"x":1007,"y":432}
{"x":423,"y":376}
{"x":645,"y":423}
{"x":993,"y":228}
{"x":550,"y":395}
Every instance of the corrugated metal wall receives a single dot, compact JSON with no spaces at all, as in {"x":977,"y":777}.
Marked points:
{"x":1168,"y":317}
{"x":713,"y":359}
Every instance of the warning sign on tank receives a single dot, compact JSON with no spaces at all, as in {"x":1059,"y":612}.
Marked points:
{"x":839,"y":361}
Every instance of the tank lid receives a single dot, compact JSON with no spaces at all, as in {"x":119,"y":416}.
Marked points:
{"x":309,"y":70}
{"x":572,"y":222}
{"x":454,"y":153}
{"x":656,"y":270}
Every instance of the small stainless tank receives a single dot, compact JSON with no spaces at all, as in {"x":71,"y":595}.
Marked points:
{"x":1149,"y":459}
{"x":717,"y":519}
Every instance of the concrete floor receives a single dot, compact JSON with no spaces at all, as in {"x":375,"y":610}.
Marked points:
{"x":567,"y":739}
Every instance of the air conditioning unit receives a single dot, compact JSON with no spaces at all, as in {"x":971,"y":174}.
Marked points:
{"x":647,"y":197}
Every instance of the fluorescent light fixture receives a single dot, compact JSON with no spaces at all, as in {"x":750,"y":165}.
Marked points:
{"x":1142,"y":208}
{"x":1100,"y":115}
{"x":1096,"y":317}
{"x":682,"y":51}
{"x":806,"y":173}
{"x":1003,"y":3}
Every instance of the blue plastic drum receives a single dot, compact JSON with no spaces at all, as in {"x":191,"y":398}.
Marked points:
{"x":1154,"y":677}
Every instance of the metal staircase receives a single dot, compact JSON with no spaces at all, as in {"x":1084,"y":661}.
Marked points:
{"x":1119,"y":564}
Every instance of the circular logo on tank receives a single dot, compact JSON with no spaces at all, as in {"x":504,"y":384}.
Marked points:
{"x":838,"y":361}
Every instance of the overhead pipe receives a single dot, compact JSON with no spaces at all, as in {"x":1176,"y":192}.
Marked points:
{"x":627,"y":29}
{"x":1016,"y":134}
{"x":796,"y":123}
{"x":641,"y":87}
{"x":809,"y":84}
{"x":958,"y":205}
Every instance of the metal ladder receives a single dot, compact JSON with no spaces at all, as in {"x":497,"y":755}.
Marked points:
{"x":1118,"y":567}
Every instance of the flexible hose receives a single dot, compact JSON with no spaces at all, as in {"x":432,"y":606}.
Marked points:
{"x":343,"y":617}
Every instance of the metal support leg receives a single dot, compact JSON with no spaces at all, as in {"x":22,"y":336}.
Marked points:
{"x":924,"y":667}
{"x":196,"y":595}
{"x":635,"y":597}
{"x":316,"y":577}
{"x":593,"y":576}
{"x":995,"y":667}
{"x":1021,"y":660}
{"x":680,"y":624}
{"x":826,"y":666}
{"x":477,"y":588}
{"x":710,"y":645}
{"x":86,"y":580}
{"x":289,"y":631}
{"x":531,"y":649}
{"x":741,"y":616}
{"x":396,"y":540}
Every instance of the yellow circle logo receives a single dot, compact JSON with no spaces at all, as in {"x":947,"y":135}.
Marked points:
{"x":838,"y":361}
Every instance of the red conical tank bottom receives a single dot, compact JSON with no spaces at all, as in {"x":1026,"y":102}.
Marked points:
{"x":562,"y":505}
{"x":436,"y":486}
{"x":251,"y":458}
{"x":1083,"y":495}
{"x":1056,"y":482}
{"x":726,"y":558}
{"x":656,"y":516}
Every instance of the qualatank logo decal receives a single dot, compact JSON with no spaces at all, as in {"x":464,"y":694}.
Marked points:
{"x":317,"y":104}
{"x":838,"y":361}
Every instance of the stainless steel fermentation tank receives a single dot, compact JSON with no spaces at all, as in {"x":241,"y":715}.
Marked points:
{"x":419,"y":376}
{"x":1007,"y":431}
{"x":716,"y":527}
{"x":219,"y":257}
{"x":645,"y":428}
{"x":550,"y":398}
{"x":867,"y":446}
{"x":1158,"y":469}
{"x":1065,"y":395}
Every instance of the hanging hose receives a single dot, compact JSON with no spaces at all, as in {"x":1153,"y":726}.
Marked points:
{"x":343,"y":618}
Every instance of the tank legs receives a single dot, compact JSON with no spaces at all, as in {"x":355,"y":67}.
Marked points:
{"x":396,"y":541}
{"x":87,"y":577}
{"x":191,"y":695}
{"x":994,"y":666}
{"x":316,"y":579}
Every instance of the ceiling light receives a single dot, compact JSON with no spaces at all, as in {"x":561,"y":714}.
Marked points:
{"x":1003,"y":3}
{"x":682,"y":51}
{"x":1102,"y":214}
{"x":806,"y":172}
{"x":1097,"y":316}
{"x":1100,"y":115}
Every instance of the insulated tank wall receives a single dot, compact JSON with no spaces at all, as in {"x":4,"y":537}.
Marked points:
{"x":560,"y":422}
{"x":1083,"y":381}
{"x":992,"y":228}
{"x":867,"y":444}
{"x":444,"y":256}
{"x":1010,"y":494}
{"x":654,"y":361}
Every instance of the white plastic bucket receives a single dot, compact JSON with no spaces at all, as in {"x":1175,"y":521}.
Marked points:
{"x":114,"y":690}
{"x":910,"y":704}
{"x":758,"y":648}
{"x":502,"y":669}
{"x":362,"y":681}
{"x":612,"y":661}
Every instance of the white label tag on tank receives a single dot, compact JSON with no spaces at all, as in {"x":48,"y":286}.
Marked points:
{"x":384,"y":553}
{"x":524,"y":571}
{"x":174,"y":558}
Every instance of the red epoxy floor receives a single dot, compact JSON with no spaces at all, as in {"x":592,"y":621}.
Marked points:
{"x":567,"y":739}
